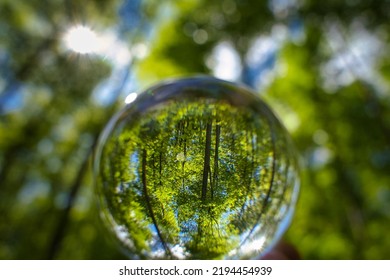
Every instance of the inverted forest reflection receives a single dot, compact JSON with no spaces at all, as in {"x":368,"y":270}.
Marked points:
{"x":195,"y":175}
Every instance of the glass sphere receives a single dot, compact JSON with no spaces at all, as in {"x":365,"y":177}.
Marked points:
{"x":196,"y":168}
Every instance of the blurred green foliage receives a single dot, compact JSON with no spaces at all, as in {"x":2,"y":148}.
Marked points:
{"x":327,"y":78}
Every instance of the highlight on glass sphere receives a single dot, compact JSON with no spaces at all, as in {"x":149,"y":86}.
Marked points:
{"x":196,"y":168}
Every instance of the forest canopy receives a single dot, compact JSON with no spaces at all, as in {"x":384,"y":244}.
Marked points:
{"x":66,"y":67}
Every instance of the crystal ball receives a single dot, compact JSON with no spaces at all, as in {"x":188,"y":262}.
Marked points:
{"x":196,"y":168}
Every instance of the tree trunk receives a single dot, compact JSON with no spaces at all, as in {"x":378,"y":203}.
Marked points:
{"x":149,"y":203}
{"x":206,"y":166}
{"x":183,"y":163}
{"x":216,"y":159}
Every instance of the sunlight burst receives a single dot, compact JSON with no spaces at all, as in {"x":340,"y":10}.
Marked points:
{"x":81,"y":39}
